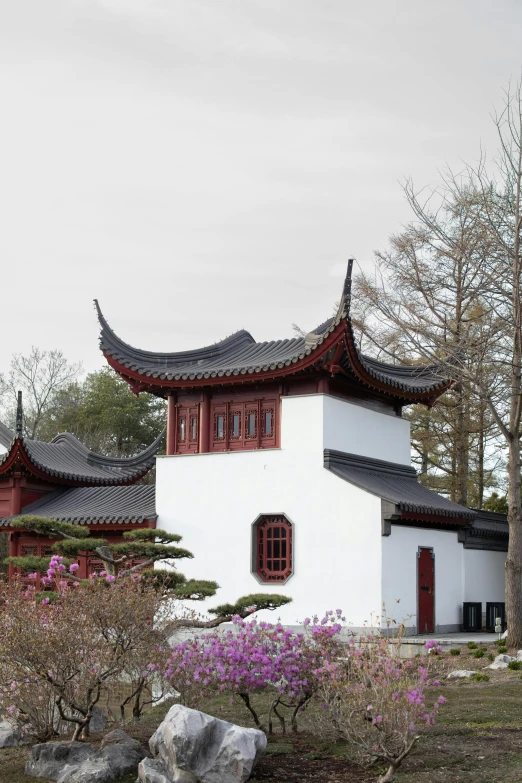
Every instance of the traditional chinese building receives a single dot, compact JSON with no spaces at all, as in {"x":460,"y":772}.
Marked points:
{"x":65,"y":480}
{"x":288,"y":469}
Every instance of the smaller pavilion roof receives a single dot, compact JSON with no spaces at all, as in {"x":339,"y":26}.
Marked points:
{"x":100,"y":505}
{"x":396,"y":483}
{"x":66,"y":459}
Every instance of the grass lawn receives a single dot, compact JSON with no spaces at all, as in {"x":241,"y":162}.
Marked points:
{"x":478,"y":739}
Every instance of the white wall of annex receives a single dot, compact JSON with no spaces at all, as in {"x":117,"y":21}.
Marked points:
{"x":399,"y":574}
{"x":484,"y":576}
{"x":359,"y":430}
{"x":212,"y":500}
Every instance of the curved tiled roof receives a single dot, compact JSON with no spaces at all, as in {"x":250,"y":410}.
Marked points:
{"x":240,"y":354}
{"x":89,"y":505}
{"x":66,"y":458}
{"x":6,"y":436}
{"x":395,"y":483}
{"x":489,"y":523}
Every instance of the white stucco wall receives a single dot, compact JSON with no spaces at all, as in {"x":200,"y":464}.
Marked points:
{"x":213,"y":499}
{"x":484,"y":576}
{"x":399,"y":574}
{"x":359,"y":430}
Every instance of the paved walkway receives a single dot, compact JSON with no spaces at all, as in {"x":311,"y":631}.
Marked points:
{"x":452,"y":638}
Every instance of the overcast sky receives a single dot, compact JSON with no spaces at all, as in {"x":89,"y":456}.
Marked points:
{"x":202,"y":166}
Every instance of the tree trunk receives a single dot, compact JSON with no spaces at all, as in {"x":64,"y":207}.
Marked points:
{"x":461,"y":456}
{"x":481,"y":456}
{"x":109,"y":567}
{"x":388,"y":776}
{"x":514,"y":556}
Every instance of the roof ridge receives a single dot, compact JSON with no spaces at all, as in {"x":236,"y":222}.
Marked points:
{"x":335,"y":457}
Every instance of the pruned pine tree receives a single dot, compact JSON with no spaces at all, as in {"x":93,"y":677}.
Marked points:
{"x":152,"y":546}
{"x":458,"y":303}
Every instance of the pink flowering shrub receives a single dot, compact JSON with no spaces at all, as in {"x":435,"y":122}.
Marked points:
{"x":75,"y":646}
{"x":376,"y":701}
{"x":250,"y":658}
{"x":27,"y":703}
{"x":433,"y":647}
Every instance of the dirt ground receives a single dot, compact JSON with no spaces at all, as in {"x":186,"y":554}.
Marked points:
{"x":478,"y":738}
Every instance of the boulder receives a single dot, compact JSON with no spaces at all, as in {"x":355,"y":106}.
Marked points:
{"x":49,"y":759}
{"x":501,"y":662}
{"x":153,"y":771}
{"x":9,"y":736}
{"x":98,"y":721}
{"x":79,"y":762}
{"x":108,"y":765}
{"x":459,"y":674}
{"x":519,"y":655}
{"x":123,"y":759}
{"x":119,"y":737}
{"x":93,"y":770}
{"x":193,"y":747}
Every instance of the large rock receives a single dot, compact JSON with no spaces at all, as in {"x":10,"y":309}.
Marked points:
{"x":193,"y":747}
{"x":111,"y":763}
{"x":79,"y":762}
{"x":49,"y":759}
{"x":153,"y":771}
{"x":93,"y":770}
{"x":501,"y":662}
{"x":119,"y":737}
{"x":9,"y":736}
{"x":460,"y":674}
{"x":98,"y":721}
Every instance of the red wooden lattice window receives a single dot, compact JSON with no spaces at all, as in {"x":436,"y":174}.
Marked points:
{"x":273,"y":548}
{"x":248,"y":424}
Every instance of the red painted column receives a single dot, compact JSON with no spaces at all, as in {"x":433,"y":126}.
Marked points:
{"x":16,"y":496}
{"x":322,"y":386}
{"x":171,"y":424}
{"x":204,"y":423}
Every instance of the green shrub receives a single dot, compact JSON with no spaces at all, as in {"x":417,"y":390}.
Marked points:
{"x":480,"y":677}
{"x":491,"y":657}
{"x":472,"y":646}
{"x":478,"y":654}
{"x":484,"y":649}
{"x":501,"y":642}
{"x":502,"y":649}
{"x":455,"y":651}
{"x":515,"y":665}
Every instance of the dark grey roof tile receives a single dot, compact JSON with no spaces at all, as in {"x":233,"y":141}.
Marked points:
{"x":66,"y":458}
{"x":6,"y":436}
{"x":393,"y":482}
{"x":84,"y":505}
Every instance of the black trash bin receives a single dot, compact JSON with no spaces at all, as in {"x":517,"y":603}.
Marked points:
{"x":495,"y":609}
{"x":471,"y":616}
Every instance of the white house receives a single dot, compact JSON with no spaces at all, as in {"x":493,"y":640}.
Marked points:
{"x":288,"y":471}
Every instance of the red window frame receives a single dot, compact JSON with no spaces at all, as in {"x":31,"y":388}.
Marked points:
{"x":273,"y":548}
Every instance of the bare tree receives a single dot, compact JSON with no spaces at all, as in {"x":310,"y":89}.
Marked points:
{"x":480,"y":267}
{"x":40,"y":376}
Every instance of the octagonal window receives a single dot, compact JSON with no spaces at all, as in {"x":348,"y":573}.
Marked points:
{"x":273,"y":548}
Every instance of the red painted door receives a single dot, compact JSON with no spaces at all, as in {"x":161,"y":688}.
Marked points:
{"x":426,"y":590}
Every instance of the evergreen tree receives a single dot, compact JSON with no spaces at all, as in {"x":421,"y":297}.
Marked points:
{"x":103,"y":413}
{"x":151,"y":546}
